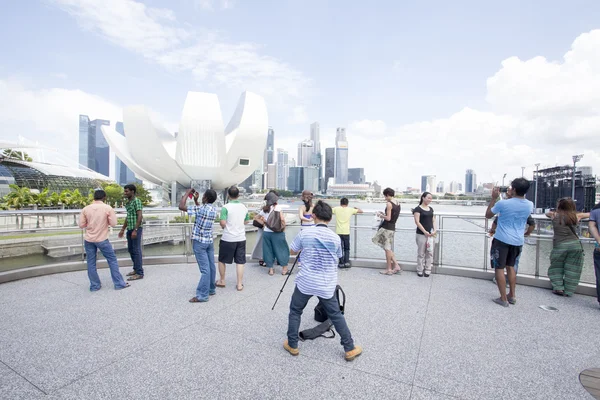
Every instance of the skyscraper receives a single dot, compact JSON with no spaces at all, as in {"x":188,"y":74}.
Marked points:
{"x":356,"y":175}
{"x":283,"y":170}
{"x":341,"y":156}
{"x":271,"y":176}
{"x":296,"y":179}
{"x":470,"y":181}
{"x":269,"y":150}
{"x":311,"y":179}
{"x":305,"y":153}
{"x":329,"y":165}
{"x":315,"y":136}
{"x":428,"y":183}
{"x":440,"y":187}
{"x":123,"y":175}
{"x":94,"y":152}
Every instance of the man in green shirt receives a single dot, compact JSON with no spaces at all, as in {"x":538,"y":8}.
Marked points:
{"x":133,"y":225}
{"x":343,"y":213}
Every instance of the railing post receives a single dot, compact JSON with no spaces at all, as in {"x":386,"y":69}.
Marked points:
{"x":438,"y":249}
{"x":355,"y":240}
{"x":537,"y":253}
{"x":485,"y":245}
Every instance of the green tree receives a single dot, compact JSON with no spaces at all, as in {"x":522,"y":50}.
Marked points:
{"x":54,"y":199}
{"x":16,"y":154}
{"x":18,"y":197}
{"x":65,"y":198}
{"x":143,"y":194}
{"x":114,"y":194}
{"x":41,"y":200}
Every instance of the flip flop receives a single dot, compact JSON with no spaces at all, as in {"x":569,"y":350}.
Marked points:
{"x":195,"y":300}
{"x":219,"y":284}
{"x":135,"y":277}
{"x":397,"y":271}
{"x":132,"y":273}
{"x":285,"y":273}
{"x":271,"y":272}
{"x":386,"y":272}
{"x":239,"y":290}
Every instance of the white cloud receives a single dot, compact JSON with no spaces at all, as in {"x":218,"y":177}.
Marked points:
{"x":367,"y":127}
{"x":211,"y":4}
{"x":51,"y":116}
{"x":541,"y":111}
{"x":158,"y":36}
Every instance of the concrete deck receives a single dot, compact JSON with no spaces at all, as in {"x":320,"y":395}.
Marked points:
{"x":436,"y":338}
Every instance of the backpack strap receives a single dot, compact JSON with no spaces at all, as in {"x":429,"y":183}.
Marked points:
{"x":342,"y":303}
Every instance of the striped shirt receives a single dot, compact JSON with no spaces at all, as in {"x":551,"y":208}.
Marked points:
{"x":203,"y":227}
{"x":321,"y":250}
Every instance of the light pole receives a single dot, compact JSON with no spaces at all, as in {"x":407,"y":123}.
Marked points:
{"x":537,"y":166}
{"x":576,"y":159}
{"x":504,"y":176}
{"x":522,"y":172}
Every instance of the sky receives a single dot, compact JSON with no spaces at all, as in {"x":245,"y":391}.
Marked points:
{"x":422,"y":88}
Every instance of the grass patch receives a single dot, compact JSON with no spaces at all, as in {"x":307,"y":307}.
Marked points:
{"x":32,"y":235}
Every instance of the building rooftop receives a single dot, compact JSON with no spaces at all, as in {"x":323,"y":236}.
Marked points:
{"x":436,"y":338}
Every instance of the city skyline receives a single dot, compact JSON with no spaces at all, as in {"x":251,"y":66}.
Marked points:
{"x":508,"y":104}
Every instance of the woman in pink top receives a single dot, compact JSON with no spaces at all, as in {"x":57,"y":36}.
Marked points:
{"x":96,"y":218}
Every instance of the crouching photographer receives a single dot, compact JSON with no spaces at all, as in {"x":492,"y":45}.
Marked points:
{"x":321,"y":250}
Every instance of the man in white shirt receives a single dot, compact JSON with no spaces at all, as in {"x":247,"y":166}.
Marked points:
{"x":232,"y":248}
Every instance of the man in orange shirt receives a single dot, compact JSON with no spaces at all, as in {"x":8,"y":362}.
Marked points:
{"x":96,"y":218}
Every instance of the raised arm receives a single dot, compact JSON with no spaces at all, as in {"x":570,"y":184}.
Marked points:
{"x":183,"y":201}
{"x":495,"y":195}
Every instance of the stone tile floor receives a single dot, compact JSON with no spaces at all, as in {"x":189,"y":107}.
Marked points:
{"x":435,"y":338}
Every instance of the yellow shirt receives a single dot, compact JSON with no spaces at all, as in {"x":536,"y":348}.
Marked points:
{"x":342,"y":219}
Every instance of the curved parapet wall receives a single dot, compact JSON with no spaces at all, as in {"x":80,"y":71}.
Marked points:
{"x":203,"y":149}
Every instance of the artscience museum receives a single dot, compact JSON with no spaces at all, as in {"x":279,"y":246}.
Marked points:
{"x":204,"y":153}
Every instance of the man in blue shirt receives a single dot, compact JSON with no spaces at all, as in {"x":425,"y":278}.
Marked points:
{"x":594,"y":221}
{"x":508,"y":240}
{"x":321,"y":250}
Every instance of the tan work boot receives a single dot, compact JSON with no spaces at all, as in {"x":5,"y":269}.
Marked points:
{"x":352,"y":354}
{"x":290,"y":349}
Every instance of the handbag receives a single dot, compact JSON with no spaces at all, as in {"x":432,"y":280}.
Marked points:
{"x":273,"y":222}
{"x":324,"y":329}
{"x":257,"y":224}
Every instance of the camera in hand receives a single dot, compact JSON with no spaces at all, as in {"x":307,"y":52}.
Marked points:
{"x":503,"y":189}
{"x":191,"y":195}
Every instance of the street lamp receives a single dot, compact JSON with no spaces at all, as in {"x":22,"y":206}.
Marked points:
{"x":537,"y":166}
{"x":522,"y":172}
{"x":504,"y":176}
{"x":576,"y":159}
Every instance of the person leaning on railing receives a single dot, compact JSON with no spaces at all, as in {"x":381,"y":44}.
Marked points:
{"x":593,"y":227}
{"x":566,"y":259}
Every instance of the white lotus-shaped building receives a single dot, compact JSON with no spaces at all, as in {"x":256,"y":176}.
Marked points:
{"x":203,"y":149}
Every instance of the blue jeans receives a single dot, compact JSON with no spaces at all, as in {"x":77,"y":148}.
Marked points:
{"x":134,"y":247}
{"x":91,"y":249}
{"x":205,"y":256}
{"x":332,"y":309}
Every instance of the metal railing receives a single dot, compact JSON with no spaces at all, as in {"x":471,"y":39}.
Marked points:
{"x":463,"y":241}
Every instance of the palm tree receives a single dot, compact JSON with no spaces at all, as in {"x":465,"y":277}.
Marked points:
{"x":41,"y":200}
{"x":16,"y":154}
{"x":18,"y":198}
{"x":65,"y":198}
{"x":54,"y":199}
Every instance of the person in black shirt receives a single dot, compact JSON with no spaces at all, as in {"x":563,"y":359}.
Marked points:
{"x":425,"y":221}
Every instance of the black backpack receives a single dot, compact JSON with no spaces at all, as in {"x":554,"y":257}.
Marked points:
{"x":324,"y":329}
{"x":321,"y":315}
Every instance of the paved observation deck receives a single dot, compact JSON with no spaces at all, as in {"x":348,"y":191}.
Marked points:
{"x":424,"y":338}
